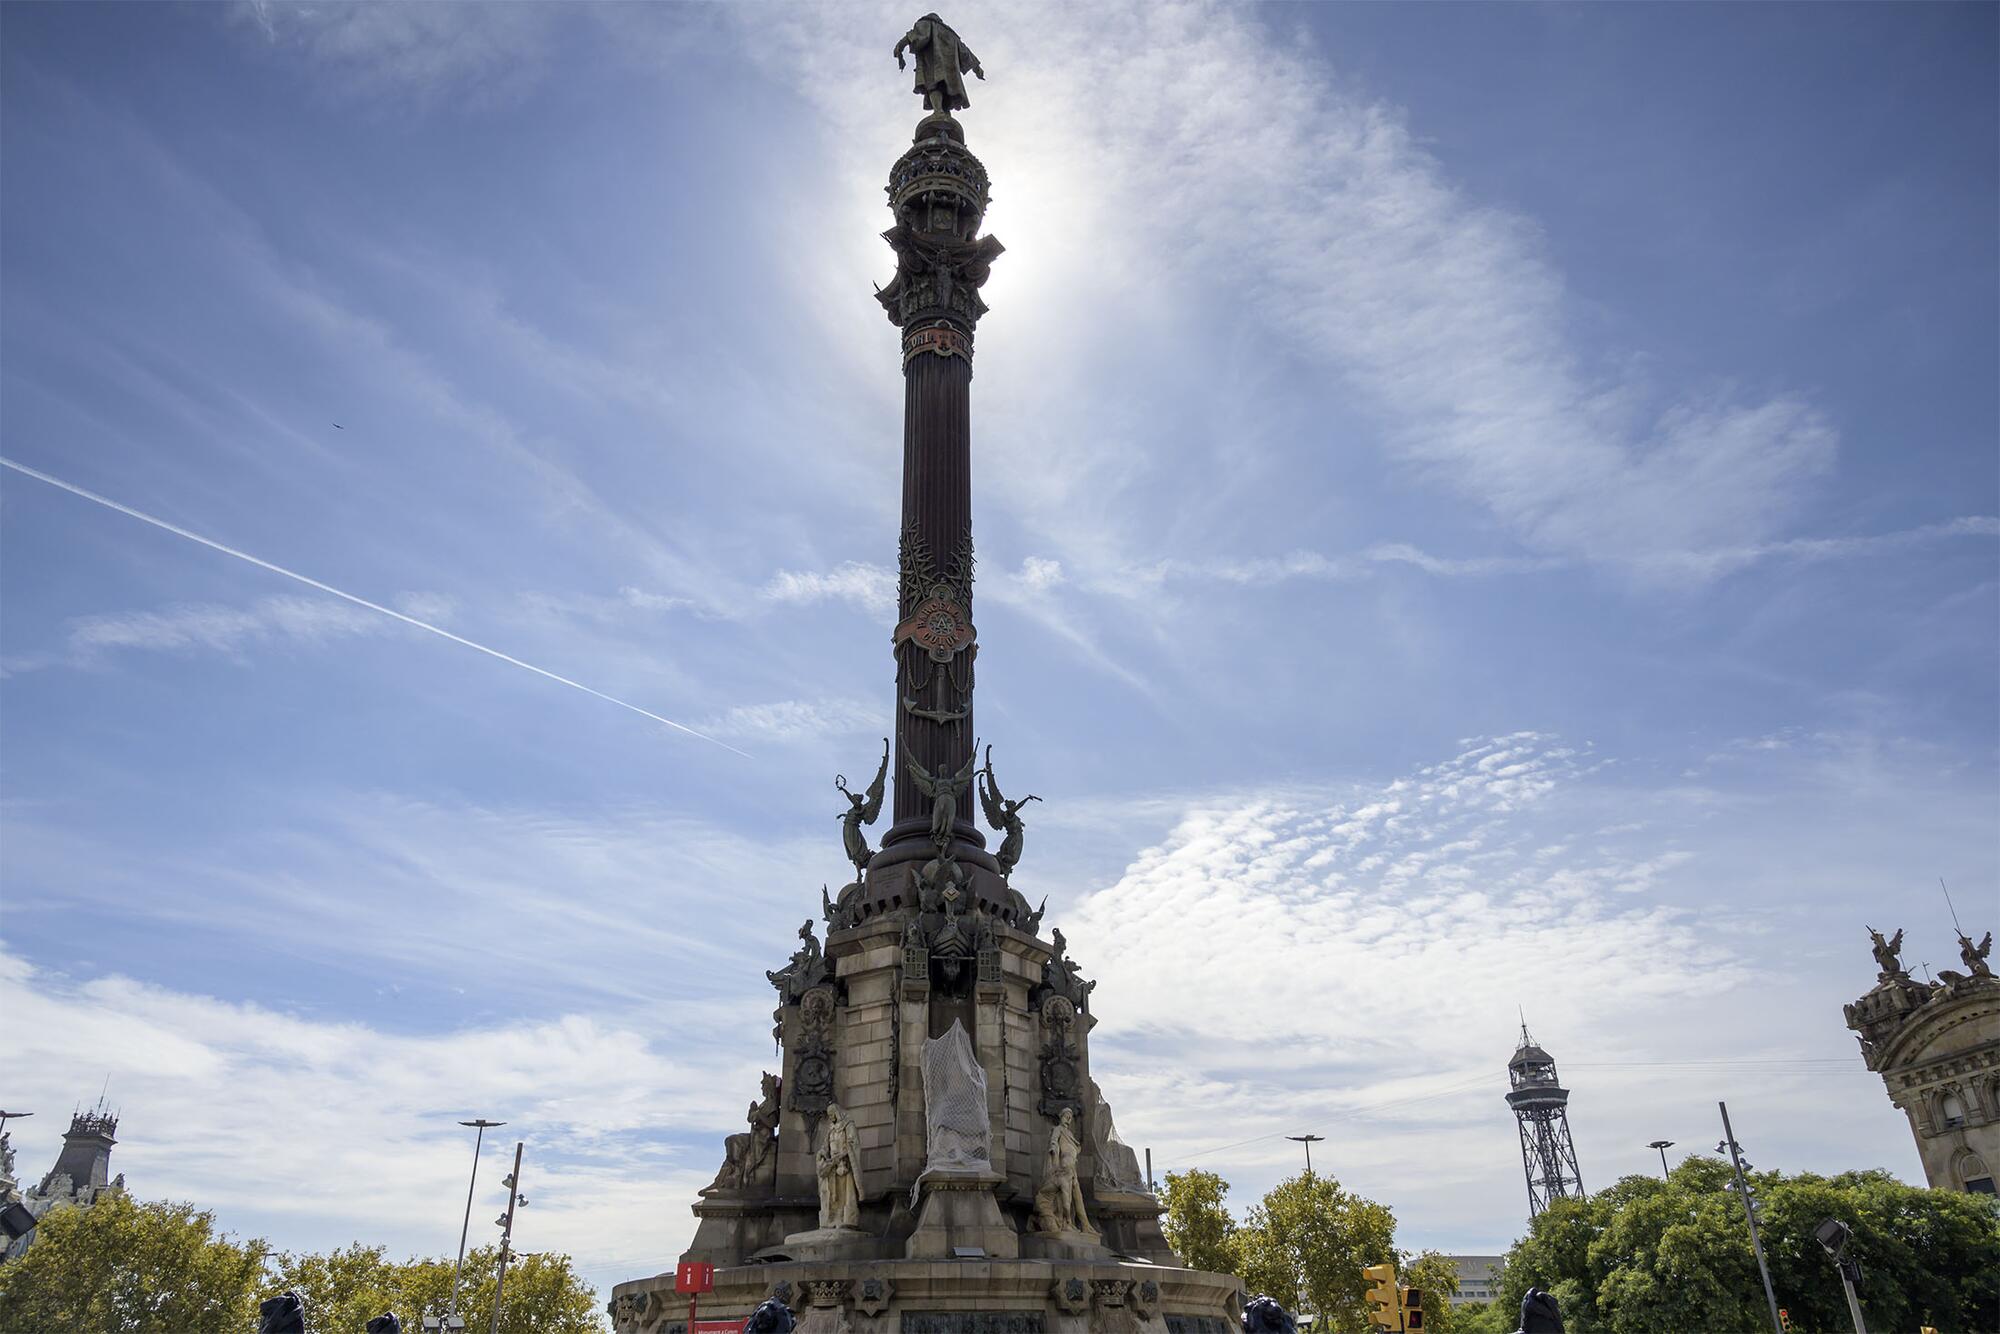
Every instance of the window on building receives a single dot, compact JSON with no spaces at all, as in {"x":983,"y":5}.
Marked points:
{"x":1980,"y":1186}
{"x":1951,"y":1110}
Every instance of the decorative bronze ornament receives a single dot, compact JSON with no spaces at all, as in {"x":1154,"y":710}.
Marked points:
{"x":939,"y":626}
{"x":942,"y":339}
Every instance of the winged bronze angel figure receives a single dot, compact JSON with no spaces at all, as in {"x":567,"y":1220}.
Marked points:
{"x":1975,"y":956}
{"x":942,"y":789}
{"x":1003,"y":815}
{"x":862,"y":809}
{"x":1886,"y":950}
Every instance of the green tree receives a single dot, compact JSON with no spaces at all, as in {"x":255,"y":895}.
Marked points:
{"x":122,"y":1267}
{"x":1198,"y":1225}
{"x":1483,"y":1318}
{"x":346,"y":1288}
{"x":1436,"y":1277}
{"x":1649,"y":1256}
{"x":1305,"y":1244}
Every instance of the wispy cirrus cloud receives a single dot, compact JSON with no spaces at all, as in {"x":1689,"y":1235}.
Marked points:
{"x":1313,"y":565}
{"x":796,"y":719}
{"x":1444,"y":315}
{"x":229,"y":631}
{"x":870,"y":587}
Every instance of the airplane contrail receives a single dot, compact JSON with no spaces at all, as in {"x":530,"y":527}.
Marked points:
{"x":214,"y":545}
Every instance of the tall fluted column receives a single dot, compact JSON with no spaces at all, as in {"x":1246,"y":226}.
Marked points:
{"x":938,"y":193}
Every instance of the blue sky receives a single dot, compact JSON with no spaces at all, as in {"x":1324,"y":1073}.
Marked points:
{"x":1478,"y":506}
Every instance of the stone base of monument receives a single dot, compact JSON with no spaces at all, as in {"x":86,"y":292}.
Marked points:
{"x":959,"y":1218}
{"x":1064,"y":1246}
{"x":1130,"y":1222}
{"x":951,"y":1297}
{"x":822,"y":1243}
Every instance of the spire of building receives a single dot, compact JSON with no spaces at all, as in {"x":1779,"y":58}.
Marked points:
{"x":85,"y":1159}
{"x":1541,"y":1111}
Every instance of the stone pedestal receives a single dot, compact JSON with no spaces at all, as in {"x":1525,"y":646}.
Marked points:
{"x":823,"y":1243}
{"x":958,"y":1214}
{"x":1131,"y":1224}
{"x":1064,"y":1246}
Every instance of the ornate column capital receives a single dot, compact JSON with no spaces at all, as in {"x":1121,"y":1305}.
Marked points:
{"x":938,"y":192}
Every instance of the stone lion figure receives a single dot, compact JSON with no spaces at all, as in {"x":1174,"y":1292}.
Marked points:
{"x":1263,"y":1315}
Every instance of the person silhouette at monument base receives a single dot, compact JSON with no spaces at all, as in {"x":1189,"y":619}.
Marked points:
{"x":1540,"y":1314}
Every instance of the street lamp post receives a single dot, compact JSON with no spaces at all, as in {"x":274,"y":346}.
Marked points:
{"x":1662,"y":1145}
{"x":482,"y":1126}
{"x":1833,"y":1235}
{"x":1749,"y":1214}
{"x":1308,"y":1141}
{"x":506,"y":1222}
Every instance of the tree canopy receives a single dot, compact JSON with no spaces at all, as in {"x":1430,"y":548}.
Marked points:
{"x":133,"y":1268}
{"x":1304,"y":1243}
{"x":1648,"y":1256}
{"x":125,"y":1267}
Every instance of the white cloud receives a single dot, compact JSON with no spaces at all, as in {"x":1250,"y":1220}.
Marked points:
{"x":318,"y":1133}
{"x":796,"y":719}
{"x":1350,"y":961}
{"x":1442,"y":315}
{"x":870,"y":587}
{"x":213,"y":628}
{"x":1039,"y":573}
{"x":1704,"y":564}
{"x":422,"y":50}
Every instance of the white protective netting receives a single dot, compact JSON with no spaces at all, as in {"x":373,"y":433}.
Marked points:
{"x":955,"y":1121}
{"x":1117,"y":1165}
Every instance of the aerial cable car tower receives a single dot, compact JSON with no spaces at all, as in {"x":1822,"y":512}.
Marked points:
{"x":1541,"y":1109}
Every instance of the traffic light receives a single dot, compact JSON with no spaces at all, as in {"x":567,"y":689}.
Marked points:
{"x":1413,"y":1308}
{"x":1785,"y":1320}
{"x":1384,"y":1306}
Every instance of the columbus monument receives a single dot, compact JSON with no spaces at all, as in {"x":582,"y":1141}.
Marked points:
{"x":933,"y":1156}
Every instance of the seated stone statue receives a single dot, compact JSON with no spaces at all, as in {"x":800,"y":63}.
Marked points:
{"x":748,"y":1156}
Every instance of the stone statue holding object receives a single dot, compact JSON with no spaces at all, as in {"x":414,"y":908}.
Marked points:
{"x":838,"y":1166}
{"x":862,"y":809}
{"x":943,"y":61}
{"x":1059,"y":1201}
{"x":1003,"y":815}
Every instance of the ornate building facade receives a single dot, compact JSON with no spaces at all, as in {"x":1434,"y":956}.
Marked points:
{"x":82,"y":1172}
{"x":1937,"y":1048}
{"x":932,"y":1155}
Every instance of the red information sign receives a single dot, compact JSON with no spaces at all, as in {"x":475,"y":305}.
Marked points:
{"x":720,"y":1326}
{"x":694,"y":1277}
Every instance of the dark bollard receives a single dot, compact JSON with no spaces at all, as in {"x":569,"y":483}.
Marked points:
{"x":283,"y":1314}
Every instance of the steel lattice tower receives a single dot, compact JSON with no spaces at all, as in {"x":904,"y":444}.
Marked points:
{"x":1541,"y":1107}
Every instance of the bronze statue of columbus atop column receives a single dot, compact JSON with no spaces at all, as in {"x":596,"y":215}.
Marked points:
{"x":943,"y":61}
{"x":937,"y":193}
